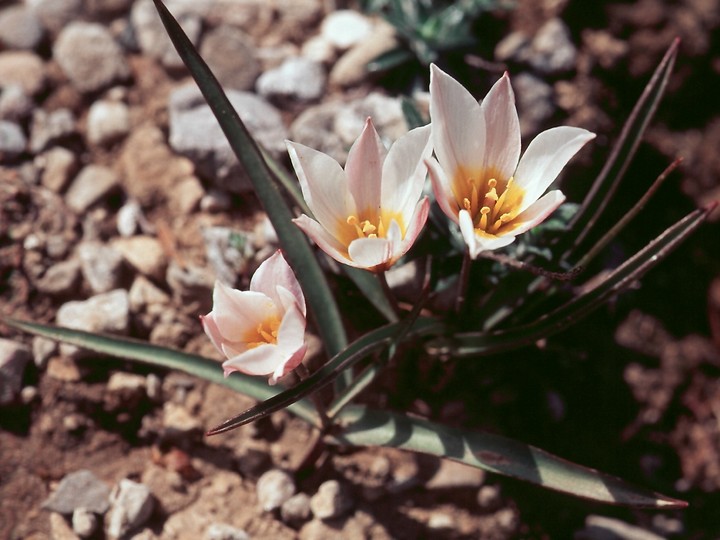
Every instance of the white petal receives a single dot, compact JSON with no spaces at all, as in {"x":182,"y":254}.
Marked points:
{"x":212,"y":331}
{"x":489,"y":243}
{"x":291,"y":334}
{"x":261,"y":360}
{"x":370,"y":253}
{"x":323,"y":239}
{"x":467,"y":229}
{"x":404,"y":171}
{"x":236,"y":312}
{"x":442,"y":189}
{"x":539,"y":211}
{"x":502,"y":144}
{"x":415,"y":227}
{"x":546,"y":156}
{"x":363,"y":168}
{"x":275,"y":272}
{"x":458,"y":124}
{"x":323,"y":184}
{"x":286,"y":367}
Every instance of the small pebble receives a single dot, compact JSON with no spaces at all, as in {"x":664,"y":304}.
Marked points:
{"x":221,"y":531}
{"x":274,"y":488}
{"x":296,"y":509}
{"x":331,"y":500}
{"x":84,"y":522}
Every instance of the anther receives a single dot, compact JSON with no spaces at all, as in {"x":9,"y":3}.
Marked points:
{"x":484,"y":211}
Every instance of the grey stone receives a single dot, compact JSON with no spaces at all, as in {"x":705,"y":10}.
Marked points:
{"x":12,"y":140}
{"x":296,"y":509}
{"x":107,"y":121}
{"x":108,"y":7}
{"x":196,"y":134}
{"x":90,"y":57}
{"x":228,"y":252}
{"x":535,"y":101}
{"x":385,"y":111}
{"x":56,"y":14}
{"x":132,"y":505}
{"x":106,"y":312}
{"x":314,"y":128}
{"x":190,"y":284}
{"x":298,"y":79}
{"x":84,"y":522}
{"x":14,"y":103}
{"x":91,"y":185}
{"x":332,"y":500}
{"x":222,"y":531}
{"x":58,"y":165}
{"x":22,"y":68}
{"x":231,"y":55}
{"x":79,"y":489}
{"x":60,"y":279}
{"x":153,"y":38}
{"x":552,"y":51}
{"x":20,"y":28}
{"x":101,"y":266}
{"x":14,"y":357}
{"x":274,"y":488}
{"x":49,"y":127}
{"x":345,"y":28}
{"x":144,"y":293}
{"x":607,"y":528}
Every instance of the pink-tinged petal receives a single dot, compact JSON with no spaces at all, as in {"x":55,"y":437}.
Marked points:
{"x":370,"y":253}
{"x":458,"y":124}
{"x":288,"y":301}
{"x":442,"y":189}
{"x":323,"y":239}
{"x":236,"y":312}
{"x":404,"y":171}
{"x":291,"y":334}
{"x":363,"y":168}
{"x":490,"y":243}
{"x":546,"y":156}
{"x":539,"y":211}
{"x":211,"y":330}
{"x":502,"y":146}
{"x":275,"y":272}
{"x":323,"y":183}
{"x":467,"y":229}
{"x":286,"y":367}
{"x":261,"y":360}
{"x":415,"y":227}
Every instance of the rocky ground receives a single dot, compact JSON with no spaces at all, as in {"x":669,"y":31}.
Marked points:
{"x":120,"y":204}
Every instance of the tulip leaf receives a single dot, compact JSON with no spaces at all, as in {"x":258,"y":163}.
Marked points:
{"x":484,"y":343}
{"x":163,"y":357}
{"x":371,"y":342}
{"x":295,"y":246}
{"x":610,"y":176}
{"x":362,"y":426}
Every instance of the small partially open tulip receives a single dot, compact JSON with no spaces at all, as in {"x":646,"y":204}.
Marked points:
{"x":479,"y":179}
{"x":260,"y":331}
{"x":370,"y":213}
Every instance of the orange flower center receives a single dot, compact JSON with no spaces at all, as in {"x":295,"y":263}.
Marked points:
{"x":493,"y":205}
{"x":370,"y":225}
{"x":265,"y":332}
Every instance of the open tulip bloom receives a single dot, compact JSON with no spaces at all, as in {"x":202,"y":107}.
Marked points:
{"x":260,"y":331}
{"x":369,"y":214}
{"x":479,"y":179}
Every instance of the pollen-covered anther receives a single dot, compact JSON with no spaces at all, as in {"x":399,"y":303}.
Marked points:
{"x":484,"y":211}
{"x":503,"y":219}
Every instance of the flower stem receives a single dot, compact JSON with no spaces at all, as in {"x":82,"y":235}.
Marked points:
{"x":382,"y":278}
{"x":463,"y":282}
{"x":519,"y":265}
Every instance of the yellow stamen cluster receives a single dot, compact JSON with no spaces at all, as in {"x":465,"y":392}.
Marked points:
{"x":492,"y":211}
{"x":365,"y":229}
{"x":265,"y":332}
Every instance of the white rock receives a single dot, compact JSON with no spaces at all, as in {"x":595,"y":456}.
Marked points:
{"x":274,"y":488}
{"x":144,"y":253}
{"x":221,"y":531}
{"x":131,"y":506}
{"x":91,"y":184}
{"x":298,"y":79}
{"x":345,"y":28}
{"x":101,"y":266}
{"x":107,"y":121}
{"x":84,"y":522}
{"x":331,"y":500}
{"x":58,"y":166}
{"x":14,"y":357}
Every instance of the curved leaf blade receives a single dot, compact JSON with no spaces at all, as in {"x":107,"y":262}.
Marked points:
{"x":484,"y":343}
{"x":147,"y":353}
{"x":622,"y":153}
{"x":353,"y":353}
{"x":295,"y":246}
{"x":361,"y":426}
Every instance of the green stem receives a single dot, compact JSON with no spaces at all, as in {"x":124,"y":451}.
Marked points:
{"x":392,"y":299}
{"x":463,"y":282}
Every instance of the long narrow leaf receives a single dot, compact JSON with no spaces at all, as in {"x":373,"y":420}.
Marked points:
{"x":483,"y":343}
{"x":141,"y":351}
{"x":295,"y":246}
{"x":361,"y":426}
{"x":356,"y":351}
{"x":622,"y":153}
